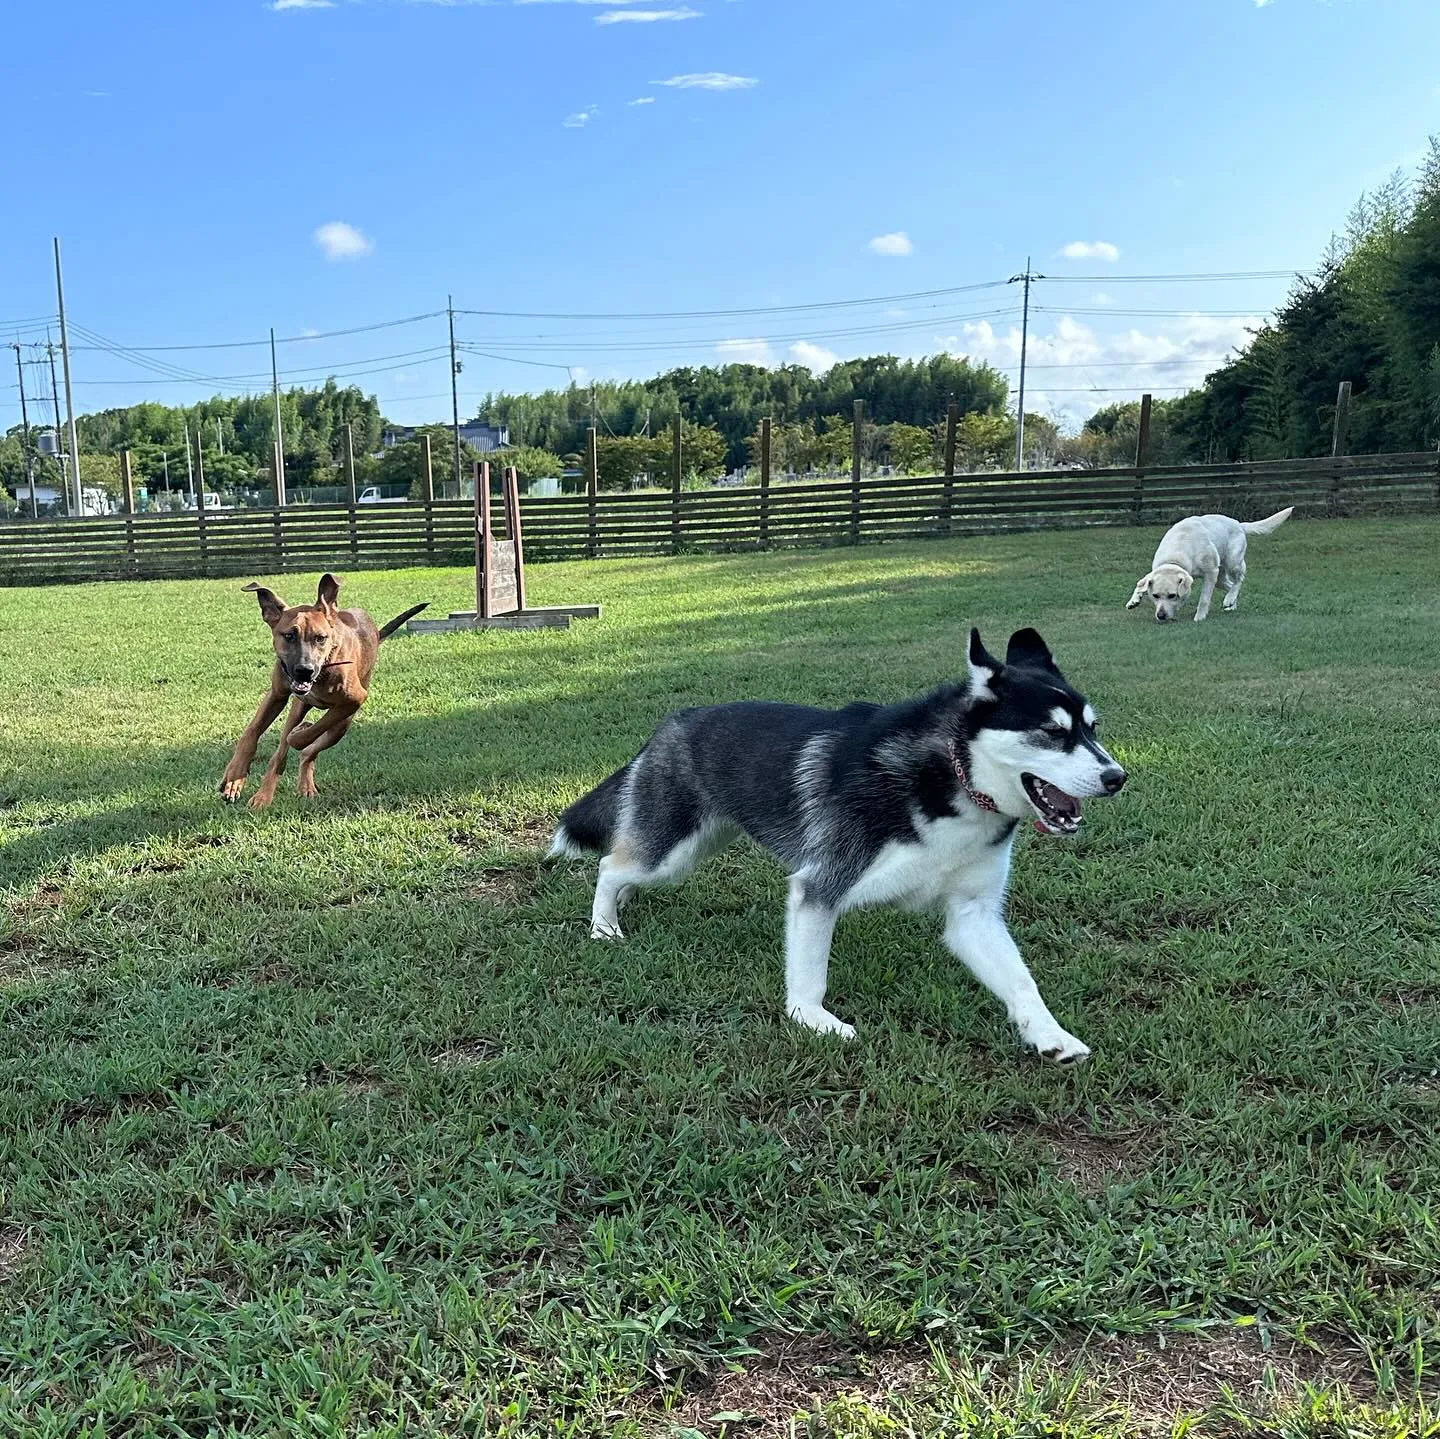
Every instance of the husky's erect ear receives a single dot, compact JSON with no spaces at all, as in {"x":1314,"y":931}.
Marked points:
{"x":271,"y":605}
{"x":984,"y":669}
{"x":328,"y":592}
{"x":1028,"y":651}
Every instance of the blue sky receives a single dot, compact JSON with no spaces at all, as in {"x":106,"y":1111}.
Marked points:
{"x":216,"y":167}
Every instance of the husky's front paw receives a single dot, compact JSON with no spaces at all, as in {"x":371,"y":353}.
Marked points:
{"x":818,"y":1018}
{"x":1054,"y":1044}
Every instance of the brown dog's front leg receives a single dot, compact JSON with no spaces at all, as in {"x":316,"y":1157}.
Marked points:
{"x":262,"y":796}
{"x":329,"y":731}
{"x":233,"y":780}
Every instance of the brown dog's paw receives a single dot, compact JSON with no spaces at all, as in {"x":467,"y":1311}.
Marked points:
{"x":230,"y":788}
{"x":306,"y":786}
{"x":261,"y":800}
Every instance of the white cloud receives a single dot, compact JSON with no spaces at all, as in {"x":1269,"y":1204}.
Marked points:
{"x":1074,"y":369}
{"x":644,"y":17}
{"x":1261,"y":4}
{"x":814,"y":357}
{"x":643,"y":100}
{"x":302,"y":4}
{"x":708,"y":80}
{"x":897,"y":242}
{"x":1091,"y":250}
{"x":746,"y":352}
{"x":339,"y":241}
{"x":1101,"y":298}
{"x":581,"y":118}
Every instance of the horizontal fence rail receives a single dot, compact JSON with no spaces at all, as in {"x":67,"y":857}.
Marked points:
{"x":442,"y":532}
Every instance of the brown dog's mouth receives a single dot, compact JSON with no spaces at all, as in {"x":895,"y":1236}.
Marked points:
{"x":1059,"y":812}
{"x":301,"y":688}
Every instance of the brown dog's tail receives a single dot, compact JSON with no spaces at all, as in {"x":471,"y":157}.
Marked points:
{"x":388,"y":630}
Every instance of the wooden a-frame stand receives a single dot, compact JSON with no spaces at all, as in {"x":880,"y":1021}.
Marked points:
{"x":500,"y":573}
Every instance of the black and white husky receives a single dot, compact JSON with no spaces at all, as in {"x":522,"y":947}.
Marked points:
{"x":913,"y":804}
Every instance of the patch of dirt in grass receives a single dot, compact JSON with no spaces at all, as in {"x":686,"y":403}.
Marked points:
{"x":466,"y":1054}
{"x":95,"y":1109}
{"x":1152,"y":1384}
{"x":762,"y":1394}
{"x":1406,"y":998}
{"x":504,"y":887}
{"x":1091,"y":1162}
{"x":13,"y":1243}
{"x":1192,"y":1374}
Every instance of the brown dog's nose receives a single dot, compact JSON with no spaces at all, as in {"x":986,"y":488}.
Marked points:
{"x":304,"y":672}
{"x":1113,"y":779}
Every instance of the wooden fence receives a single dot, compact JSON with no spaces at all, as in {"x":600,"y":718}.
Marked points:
{"x":442,"y":532}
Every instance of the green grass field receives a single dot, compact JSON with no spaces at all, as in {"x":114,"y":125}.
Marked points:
{"x":332,"y":1121}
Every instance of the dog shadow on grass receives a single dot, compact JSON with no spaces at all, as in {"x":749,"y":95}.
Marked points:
{"x":569,"y":718}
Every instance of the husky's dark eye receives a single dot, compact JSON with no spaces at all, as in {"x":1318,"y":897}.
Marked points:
{"x":1056,"y":731}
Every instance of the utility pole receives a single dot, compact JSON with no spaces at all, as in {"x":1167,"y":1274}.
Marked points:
{"x":59,"y":433}
{"x":279,"y":429}
{"x":69,"y":398}
{"x":25,"y":435}
{"x":220,"y":434}
{"x":1027,"y":277}
{"x":189,"y":468}
{"x":454,"y":390}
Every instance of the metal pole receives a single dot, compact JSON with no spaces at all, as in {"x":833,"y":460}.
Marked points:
{"x":69,"y":398}
{"x":59,"y":433}
{"x":1024,"y":343}
{"x":279,"y":428}
{"x":454,"y":391}
{"x":25,"y":435}
{"x":189,"y":468}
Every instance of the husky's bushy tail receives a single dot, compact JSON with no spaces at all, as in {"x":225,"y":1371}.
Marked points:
{"x":1269,"y":525}
{"x":589,"y":823}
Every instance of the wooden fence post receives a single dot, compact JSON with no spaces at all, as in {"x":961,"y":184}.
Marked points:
{"x":592,"y":487}
{"x":353,"y":499}
{"x":947,"y":498}
{"x":127,"y":489}
{"x":483,"y":573}
{"x":200,"y":503}
{"x":765,"y":483}
{"x":512,"y":526}
{"x":677,"y":470}
{"x":857,"y":426}
{"x":427,"y":496}
{"x":1142,"y":453}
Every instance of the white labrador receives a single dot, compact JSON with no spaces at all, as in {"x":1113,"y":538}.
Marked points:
{"x":1210,"y":548}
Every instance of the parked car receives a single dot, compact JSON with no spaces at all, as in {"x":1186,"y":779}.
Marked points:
{"x":371,"y":495}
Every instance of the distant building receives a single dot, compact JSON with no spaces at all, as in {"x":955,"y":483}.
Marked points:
{"x":480,"y":436}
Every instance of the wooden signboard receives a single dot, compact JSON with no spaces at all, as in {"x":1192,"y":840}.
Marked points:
{"x":500,"y":570}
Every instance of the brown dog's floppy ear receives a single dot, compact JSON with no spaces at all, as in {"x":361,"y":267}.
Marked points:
{"x":271,"y":605}
{"x":328,"y":592}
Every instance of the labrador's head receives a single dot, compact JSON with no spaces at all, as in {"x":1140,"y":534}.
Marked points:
{"x":1167,"y":586}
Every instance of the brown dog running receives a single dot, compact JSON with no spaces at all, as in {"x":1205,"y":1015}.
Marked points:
{"x":324,"y":658}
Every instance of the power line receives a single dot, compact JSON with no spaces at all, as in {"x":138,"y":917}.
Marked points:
{"x":287,"y":339}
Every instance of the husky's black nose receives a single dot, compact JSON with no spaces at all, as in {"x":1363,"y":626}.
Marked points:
{"x":1113,"y":779}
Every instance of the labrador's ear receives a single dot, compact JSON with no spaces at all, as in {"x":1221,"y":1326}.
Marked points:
{"x":1141,"y":590}
{"x":271,"y":605}
{"x":984,"y":669}
{"x":328,"y":592}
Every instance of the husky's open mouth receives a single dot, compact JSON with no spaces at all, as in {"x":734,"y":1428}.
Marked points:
{"x":1059,"y":812}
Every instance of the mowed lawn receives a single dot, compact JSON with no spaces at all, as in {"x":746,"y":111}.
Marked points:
{"x":332,"y":1121}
